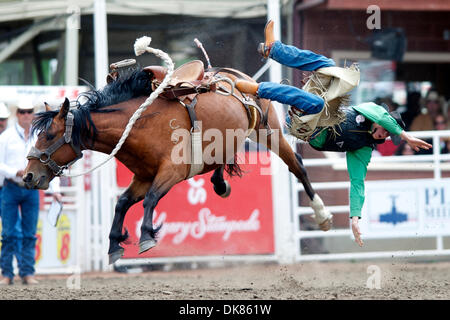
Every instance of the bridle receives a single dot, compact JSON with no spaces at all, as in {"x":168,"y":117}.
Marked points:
{"x":45,"y":156}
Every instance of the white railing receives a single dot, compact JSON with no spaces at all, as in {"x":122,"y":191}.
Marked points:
{"x":421,"y":163}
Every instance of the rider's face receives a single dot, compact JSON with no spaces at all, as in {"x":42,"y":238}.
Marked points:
{"x":378,"y":132}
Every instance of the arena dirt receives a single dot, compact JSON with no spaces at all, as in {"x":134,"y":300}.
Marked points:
{"x":257,"y":281}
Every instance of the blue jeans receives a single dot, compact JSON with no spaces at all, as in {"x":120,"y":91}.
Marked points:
{"x":14,"y":197}
{"x":18,"y":243}
{"x":304,"y":60}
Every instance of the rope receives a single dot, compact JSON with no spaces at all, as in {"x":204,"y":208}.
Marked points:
{"x":140,"y":46}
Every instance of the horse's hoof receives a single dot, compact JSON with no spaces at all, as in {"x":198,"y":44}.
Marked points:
{"x":146,"y":245}
{"x":116,"y":255}
{"x":326,"y":225}
{"x":227,"y":190}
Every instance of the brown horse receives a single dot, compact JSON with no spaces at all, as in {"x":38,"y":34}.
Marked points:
{"x":98,"y":123}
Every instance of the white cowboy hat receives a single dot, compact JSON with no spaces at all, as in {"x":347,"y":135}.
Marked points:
{"x":4,"y":112}
{"x":25,"y":103}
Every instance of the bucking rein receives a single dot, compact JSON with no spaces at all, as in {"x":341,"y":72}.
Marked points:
{"x":190,"y":80}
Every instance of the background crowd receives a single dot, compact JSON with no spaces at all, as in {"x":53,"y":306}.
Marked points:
{"x":420,"y":113}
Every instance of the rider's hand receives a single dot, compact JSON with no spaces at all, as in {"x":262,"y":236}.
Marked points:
{"x":57,"y":196}
{"x":356,"y":231}
{"x":20,"y":173}
{"x":414,"y":142}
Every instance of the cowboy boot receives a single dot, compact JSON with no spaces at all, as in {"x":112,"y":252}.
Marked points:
{"x":246,"y":86}
{"x":269,"y":39}
{"x":6,"y":281}
{"x":29,"y":280}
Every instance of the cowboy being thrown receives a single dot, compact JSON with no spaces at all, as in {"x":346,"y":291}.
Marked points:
{"x":319,"y":114}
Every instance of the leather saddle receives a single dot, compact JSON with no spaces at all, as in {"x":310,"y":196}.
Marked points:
{"x":190,"y":78}
{"x":188,"y":72}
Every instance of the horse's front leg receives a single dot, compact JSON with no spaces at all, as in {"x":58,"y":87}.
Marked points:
{"x":164,"y":180}
{"x":134,"y":193}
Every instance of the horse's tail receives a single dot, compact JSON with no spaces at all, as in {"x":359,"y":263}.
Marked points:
{"x":233,"y":169}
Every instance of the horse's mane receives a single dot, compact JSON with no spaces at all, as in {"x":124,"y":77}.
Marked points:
{"x":131,"y":84}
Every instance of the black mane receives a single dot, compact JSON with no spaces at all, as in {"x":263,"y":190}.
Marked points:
{"x":133,"y":85}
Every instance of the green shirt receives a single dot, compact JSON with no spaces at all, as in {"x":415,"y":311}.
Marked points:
{"x":358,"y":160}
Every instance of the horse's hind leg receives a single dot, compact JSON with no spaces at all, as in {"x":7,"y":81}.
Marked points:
{"x":278,"y":144}
{"x":133,"y":194}
{"x":221,"y":186}
{"x":164,"y":180}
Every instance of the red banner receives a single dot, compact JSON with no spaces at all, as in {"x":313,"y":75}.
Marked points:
{"x":196,"y":221}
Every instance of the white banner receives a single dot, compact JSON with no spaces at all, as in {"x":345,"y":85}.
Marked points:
{"x":406,"y":208}
{"x":53,"y":95}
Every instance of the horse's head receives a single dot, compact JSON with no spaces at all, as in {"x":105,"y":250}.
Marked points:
{"x":54,"y":150}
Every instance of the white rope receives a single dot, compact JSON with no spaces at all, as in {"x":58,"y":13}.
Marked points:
{"x":140,"y":46}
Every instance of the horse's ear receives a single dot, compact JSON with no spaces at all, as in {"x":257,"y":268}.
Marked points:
{"x":47,"y":107}
{"x":64,"y":109}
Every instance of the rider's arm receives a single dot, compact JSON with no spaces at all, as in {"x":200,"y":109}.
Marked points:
{"x":378,"y":114}
{"x":357,"y":162}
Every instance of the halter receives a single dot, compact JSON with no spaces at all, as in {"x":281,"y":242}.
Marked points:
{"x":45,"y":156}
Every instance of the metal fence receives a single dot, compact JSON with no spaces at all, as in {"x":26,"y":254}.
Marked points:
{"x":435,"y":162}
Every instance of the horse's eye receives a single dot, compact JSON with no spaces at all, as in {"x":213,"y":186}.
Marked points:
{"x":50,"y":136}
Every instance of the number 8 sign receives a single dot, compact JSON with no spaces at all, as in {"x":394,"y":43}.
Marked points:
{"x":63,"y":238}
{"x":38,"y":248}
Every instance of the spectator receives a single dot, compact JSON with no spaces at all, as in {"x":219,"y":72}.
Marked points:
{"x":4,"y":115}
{"x":387,"y":149}
{"x":446,"y":149}
{"x":387,"y":101}
{"x":412,"y":108}
{"x":425,"y":120}
{"x":404,"y":149}
{"x":440,"y":123}
{"x":15,"y":144}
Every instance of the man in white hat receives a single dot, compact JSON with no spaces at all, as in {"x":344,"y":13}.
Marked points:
{"x":15,"y":144}
{"x":319,"y":114}
{"x":4,"y":115}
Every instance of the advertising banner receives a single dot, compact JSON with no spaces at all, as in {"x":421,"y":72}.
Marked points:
{"x":196,"y":221}
{"x":53,"y":95}
{"x":56,"y":246}
{"x":406,"y":208}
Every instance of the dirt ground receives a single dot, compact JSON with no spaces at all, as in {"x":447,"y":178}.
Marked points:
{"x":310,"y":281}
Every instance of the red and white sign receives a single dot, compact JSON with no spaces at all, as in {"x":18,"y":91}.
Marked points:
{"x":196,"y":221}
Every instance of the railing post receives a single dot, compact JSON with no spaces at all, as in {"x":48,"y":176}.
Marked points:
{"x":437,"y":157}
{"x":282,"y":212}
